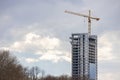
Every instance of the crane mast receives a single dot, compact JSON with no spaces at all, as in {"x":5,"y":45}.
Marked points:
{"x":87,"y":16}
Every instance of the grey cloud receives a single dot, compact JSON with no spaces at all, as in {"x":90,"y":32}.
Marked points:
{"x":109,"y":65}
{"x":47,"y":18}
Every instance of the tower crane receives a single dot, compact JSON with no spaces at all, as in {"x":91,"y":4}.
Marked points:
{"x":87,"y":16}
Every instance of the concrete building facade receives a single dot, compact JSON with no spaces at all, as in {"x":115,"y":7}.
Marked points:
{"x":84,"y":56}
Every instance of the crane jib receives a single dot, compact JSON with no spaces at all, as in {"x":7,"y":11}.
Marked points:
{"x":87,"y":16}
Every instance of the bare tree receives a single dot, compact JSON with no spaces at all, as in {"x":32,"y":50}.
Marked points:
{"x":43,"y":73}
{"x":34,"y":73}
{"x":10,"y":69}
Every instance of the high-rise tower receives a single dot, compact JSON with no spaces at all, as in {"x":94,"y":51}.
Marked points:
{"x":84,"y":56}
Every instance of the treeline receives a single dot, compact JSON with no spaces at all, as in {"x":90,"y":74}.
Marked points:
{"x":11,"y":69}
{"x":63,"y":77}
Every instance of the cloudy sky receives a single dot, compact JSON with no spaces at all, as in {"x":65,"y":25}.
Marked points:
{"x":38,"y":31}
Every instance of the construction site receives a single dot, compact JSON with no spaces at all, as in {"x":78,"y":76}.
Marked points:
{"x":84,"y":52}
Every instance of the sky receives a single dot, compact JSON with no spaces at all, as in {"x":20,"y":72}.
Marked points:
{"x":37,"y":32}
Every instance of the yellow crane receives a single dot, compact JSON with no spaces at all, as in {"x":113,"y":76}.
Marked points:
{"x":87,"y":16}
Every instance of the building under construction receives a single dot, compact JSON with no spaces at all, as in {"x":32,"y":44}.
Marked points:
{"x":84,"y":56}
{"x":84,"y":52}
